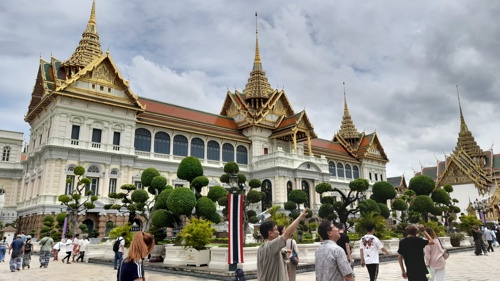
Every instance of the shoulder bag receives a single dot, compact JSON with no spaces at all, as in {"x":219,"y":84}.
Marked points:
{"x":446,"y":255}
{"x":294,"y":259}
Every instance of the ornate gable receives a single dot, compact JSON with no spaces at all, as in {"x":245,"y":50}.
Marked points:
{"x":370,"y":147}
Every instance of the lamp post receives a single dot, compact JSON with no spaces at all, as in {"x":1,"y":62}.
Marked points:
{"x":480,"y":207}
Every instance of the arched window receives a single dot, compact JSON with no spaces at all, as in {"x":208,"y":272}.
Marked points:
{"x":356,"y":172}
{"x":241,"y":155}
{"x":305,"y":188}
{"x":348,"y":171}
{"x":6,"y":153}
{"x":180,"y":145}
{"x":93,"y":174}
{"x":162,"y":143}
{"x":93,"y":169}
{"x":227,"y":152}
{"x":136,"y":225}
{"x":331,"y":168}
{"x":340,"y":170}
{"x":142,"y":140}
{"x":213,"y":150}
{"x":289,"y":187}
{"x":90,"y":226}
{"x":198,"y":148}
{"x":267,"y":188}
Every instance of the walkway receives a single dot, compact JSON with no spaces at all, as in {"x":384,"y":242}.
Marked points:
{"x":461,"y":266}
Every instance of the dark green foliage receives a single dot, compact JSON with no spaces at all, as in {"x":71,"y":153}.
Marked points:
{"x":298,"y":196}
{"x":161,"y":200}
{"x":309,"y":214}
{"x":255,"y":183}
{"x":181,"y":201}
{"x":326,"y":200}
{"x":79,"y":170}
{"x":216,"y":192}
{"x":60,"y":217}
{"x":399,"y":205}
{"x":222,"y":201}
{"x":323,"y":187}
{"x":289,"y":206}
{"x":199,"y":182}
{"x":205,"y":207}
{"x":148,"y":175}
{"x":253,"y":219}
{"x":224,"y":178}
{"x":254,"y":196}
{"x":422,"y":204}
{"x":139,"y":195}
{"x":440,"y":196}
{"x":162,"y":218}
{"x":384,"y":210}
{"x":242,"y":179}
{"x":369,"y":206}
{"x":214,"y":218}
{"x":64,"y":198}
{"x":189,"y":168}
{"x":383,"y":191}
{"x":158,"y":233}
{"x":359,"y":185}
{"x":45,"y":229}
{"x":158,"y":184}
{"x":251,"y":213}
{"x":448,"y":188}
{"x":294,"y":214}
{"x":128,"y":187}
{"x":422,"y":185}
{"x":231,"y":168}
{"x":371,"y":218}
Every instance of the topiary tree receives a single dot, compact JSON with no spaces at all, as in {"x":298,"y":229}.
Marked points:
{"x":79,"y":199}
{"x":371,"y":218}
{"x":298,"y":196}
{"x":422,"y":204}
{"x":422,"y":185}
{"x":383,"y":191}
{"x":189,"y":169}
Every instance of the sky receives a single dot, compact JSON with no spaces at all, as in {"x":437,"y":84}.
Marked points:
{"x":401,"y":61}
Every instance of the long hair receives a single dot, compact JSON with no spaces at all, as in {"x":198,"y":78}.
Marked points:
{"x":141,"y":245}
{"x":431,"y":232}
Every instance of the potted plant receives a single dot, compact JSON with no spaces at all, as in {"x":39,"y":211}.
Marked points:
{"x":455,"y":238}
{"x":196,"y":235}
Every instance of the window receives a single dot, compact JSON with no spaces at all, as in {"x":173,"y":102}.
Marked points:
{"x":370,"y":174}
{"x":96,"y":138}
{"x":348,"y":171}
{"x":70,"y":183}
{"x":241,"y":155}
{"x":340,"y":170}
{"x":93,"y":186}
{"x":93,"y":169}
{"x":376,"y":177}
{"x":267,"y":200}
{"x":180,"y":145}
{"x":356,"y":172}
{"x":266,"y":150}
{"x":142,"y":140}
{"x":138,"y":185}
{"x":162,"y":143}
{"x":305,"y":188}
{"x":381,"y":178}
{"x":112,"y":185}
{"x":331,"y":168}
{"x":213,"y":150}
{"x":75,"y":134}
{"x":289,"y":187}
{"x":116,"y":140}
{"x":198,"y":148}
{"x":6,"y":153}
{"x":227,"y":152}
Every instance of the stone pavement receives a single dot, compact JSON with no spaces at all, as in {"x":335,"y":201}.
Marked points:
{"x":463,"y":266}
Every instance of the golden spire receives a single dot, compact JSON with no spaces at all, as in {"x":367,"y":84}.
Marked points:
{"x":88,"y":49}
{"x":257,"y":86}
{"x":465,"y":139}
{"x":347,"y":128}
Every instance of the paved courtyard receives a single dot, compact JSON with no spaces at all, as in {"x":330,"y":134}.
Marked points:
{"x":461,"y":266}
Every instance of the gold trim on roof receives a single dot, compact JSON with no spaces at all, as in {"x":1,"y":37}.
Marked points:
{"x":348,"y":130}
{"x":465,"y":140}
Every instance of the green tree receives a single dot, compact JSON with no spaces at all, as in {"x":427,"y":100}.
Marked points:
{"x":298,"y":196}
{"x":78,"y":200}
{"x":422,"y":185}
{"x":383,"y":191}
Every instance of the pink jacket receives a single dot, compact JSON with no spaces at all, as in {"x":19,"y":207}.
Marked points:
{"x":434,"y":255}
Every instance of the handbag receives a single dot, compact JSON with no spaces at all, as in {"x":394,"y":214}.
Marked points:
{"x":294,"y":259}
{"x":446,"y":255}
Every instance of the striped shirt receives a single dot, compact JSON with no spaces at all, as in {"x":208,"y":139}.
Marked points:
{"x":129,"y":271}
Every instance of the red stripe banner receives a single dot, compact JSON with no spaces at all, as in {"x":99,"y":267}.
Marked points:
{"x":235,"y":226}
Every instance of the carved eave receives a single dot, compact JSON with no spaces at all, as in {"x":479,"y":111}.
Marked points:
{"x":298,"y":125}
{"x":370,"y":147}
{"x":461,"y":169}
{"x":41,"y":95}
{"x":351,"y":148}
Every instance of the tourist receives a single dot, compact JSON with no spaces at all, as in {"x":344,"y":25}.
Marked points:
{"x":56,"y":249}
{"x":28,"y":246}
{"x":16,"y":251}
{"x":490,"y":236}
{"x":3,"y":248}
{"x":76,"y":246}
{"x":291,"y":246}
{"x":121,"y":249}
{"x":477,"y":235}
{"x":270,"y":264}
{"x":331,"y":260}
{"x":46,"y":245}
{"x":82,"y":248}
{"x":343,"y":243}
{"x":434,"y":258}
{"x":69,"y":249}
{"x":370,"y":246}
{"x":131,"y":268}
{"x":411,"y":250}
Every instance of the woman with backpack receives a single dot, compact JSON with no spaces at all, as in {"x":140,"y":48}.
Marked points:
{"x":28,"y":246}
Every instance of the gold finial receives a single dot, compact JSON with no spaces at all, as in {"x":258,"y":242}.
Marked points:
{"x":257,"y":65}
{"x":347,"y":128}
{"x":465,"y":139}
{"x":92,"y":13}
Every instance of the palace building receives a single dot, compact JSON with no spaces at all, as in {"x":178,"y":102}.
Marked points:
{"x":83,"y":112}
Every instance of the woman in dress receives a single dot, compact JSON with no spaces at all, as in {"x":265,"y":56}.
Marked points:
{"x":434,"y":257}
{"x":28,"y":247}
{"x":131,"y":268}
{"x":3,"y":248}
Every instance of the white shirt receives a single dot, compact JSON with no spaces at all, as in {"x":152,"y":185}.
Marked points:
{"x":69,"y":245}
{"x":83,"y":244}
{"x":371,"y":246}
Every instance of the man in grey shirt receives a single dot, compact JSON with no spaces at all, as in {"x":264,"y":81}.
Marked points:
{"x":331,"y":260}
{"x":270,"y":264}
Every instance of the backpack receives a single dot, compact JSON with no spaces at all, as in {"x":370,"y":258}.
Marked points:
{"x":239,"y":275}
{"x":27,"y":248}
{"x":116,"y":245}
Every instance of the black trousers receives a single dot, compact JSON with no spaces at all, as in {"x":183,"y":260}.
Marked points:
{"x":80,"y":257}
{"x":68,"y":255}
{"x":490,"y":245}
{"x":372,"y":271}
